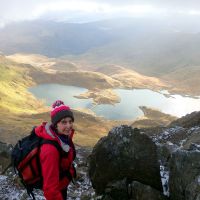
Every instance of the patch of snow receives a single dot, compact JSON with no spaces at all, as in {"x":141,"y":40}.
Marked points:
{"x":2,"y":178}
{"x":165,"y":180}
{"x":170,"y":143}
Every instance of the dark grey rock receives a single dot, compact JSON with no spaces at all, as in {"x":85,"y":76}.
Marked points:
{"x":121,"y":190}
{"x":192,"y":191}
{"x":140,"y":191}
{"x":124,"y":153}
{"x":184,"y":180}
{"x":117,"y":190}
{"x":5,"y":156}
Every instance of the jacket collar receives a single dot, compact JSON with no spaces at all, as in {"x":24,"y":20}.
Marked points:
{"x":52,"y":134}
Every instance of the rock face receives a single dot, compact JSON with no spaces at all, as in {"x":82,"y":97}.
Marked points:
{"x":5,"y":159}
{"x":144,"y":192}
{"x":124,"y":153}
{"x":133,"y":191}
{"x":184,"y":181}
{"x":188,"y":121}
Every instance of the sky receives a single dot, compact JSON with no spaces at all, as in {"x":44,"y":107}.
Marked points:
{"x":93,"y":10}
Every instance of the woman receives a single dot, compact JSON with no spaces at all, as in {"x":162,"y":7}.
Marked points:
{"x":57,"y":166}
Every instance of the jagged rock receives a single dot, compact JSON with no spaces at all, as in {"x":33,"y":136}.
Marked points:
{"x":184,"y":181}
{"x":164,"y":152}
{"x":194,"y":147}
{"x":140,"y":191}
{"x":5,"y":159}
{"x":117,"y":190}
{"x":193,"y":138}
{"x":187,"y":121}
{"x":124,"y":153}
{"x":192,"y":191}
{"x":177,"y":136}
{"x":121,"y":190}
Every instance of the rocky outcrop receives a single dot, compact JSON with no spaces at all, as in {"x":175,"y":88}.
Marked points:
{"x":188,"y":121}
{"x":184,"y":181}
{"x":5,"y":159}
{"x":124,"y":153}
{"x":133,"y":191}
{"x":124,"y":165}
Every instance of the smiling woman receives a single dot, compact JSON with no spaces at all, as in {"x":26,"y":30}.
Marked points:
{"x":57,"y":166}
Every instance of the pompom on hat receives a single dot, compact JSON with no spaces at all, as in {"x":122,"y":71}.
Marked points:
{"x":60,"y":111}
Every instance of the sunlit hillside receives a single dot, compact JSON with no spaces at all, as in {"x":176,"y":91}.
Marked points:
{"x":14,"y":81}
{"x":185,"y":80}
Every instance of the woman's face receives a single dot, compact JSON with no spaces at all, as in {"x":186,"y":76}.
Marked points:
{"x":65,"y":126}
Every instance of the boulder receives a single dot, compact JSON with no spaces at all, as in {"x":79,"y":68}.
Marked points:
{"x":124,"y":153}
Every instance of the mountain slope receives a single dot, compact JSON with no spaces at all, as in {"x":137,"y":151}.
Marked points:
{"x":185,"y":80}
{"x":50,"y":38}
{"x":14,"y":82}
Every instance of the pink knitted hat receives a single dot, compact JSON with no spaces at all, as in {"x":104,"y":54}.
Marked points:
{"x":60,"y":111}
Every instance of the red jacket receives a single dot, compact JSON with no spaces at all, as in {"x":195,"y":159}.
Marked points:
{"x":55,"y":166}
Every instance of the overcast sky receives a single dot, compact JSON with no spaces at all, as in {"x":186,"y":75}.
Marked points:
{"x":92,"y":10}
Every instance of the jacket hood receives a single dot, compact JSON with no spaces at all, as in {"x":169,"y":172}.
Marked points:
{"x":45,"y":131}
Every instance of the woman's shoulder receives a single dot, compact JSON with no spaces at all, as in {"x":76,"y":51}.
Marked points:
{"x":49,"y":149}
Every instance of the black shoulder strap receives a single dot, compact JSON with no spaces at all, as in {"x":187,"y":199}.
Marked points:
{"x":54,"y":143}
{"x":45,"y":141}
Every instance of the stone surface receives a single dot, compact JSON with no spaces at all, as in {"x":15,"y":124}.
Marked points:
{"x":124,"y":153}
{"x":5,"y":159}
{"x":121,"y":190}
{"x":184,"y":181}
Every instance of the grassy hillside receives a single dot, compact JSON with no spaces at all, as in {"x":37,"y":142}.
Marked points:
{"x":65,"y":72}
{"x":86,"y":79}
{"x":132,"y":79}
{"x":153,"y":55}
{"x":43,"y":62}
{"x":152,"y":118}
{"x":185,"y":80}
{"x":14,"y":82}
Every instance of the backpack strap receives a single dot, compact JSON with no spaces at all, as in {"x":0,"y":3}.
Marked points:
{"x":30,"y":193}
{"x":54,"y":143}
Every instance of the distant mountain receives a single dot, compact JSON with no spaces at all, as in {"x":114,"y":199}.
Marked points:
{"x":50,"y":38}
{"x":149,"y":46}
{"x":155,"y":53}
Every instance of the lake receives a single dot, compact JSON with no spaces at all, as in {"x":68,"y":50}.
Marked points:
{"x":128,"y":108}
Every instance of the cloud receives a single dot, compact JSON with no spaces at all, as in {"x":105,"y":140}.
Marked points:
{"x":91,"y":9}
